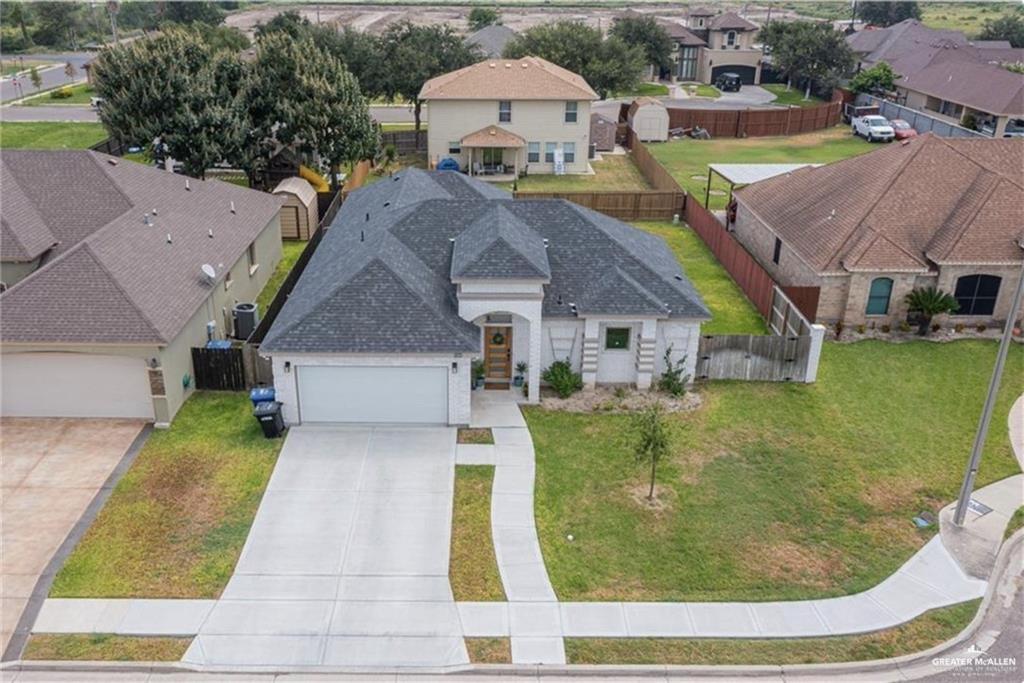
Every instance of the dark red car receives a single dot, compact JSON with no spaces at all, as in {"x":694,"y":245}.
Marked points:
{"x":902,"y":129}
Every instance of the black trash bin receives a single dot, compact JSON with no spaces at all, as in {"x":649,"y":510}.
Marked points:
{"x":269,"y":415}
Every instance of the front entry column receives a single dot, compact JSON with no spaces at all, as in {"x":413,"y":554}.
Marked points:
{"x":535,"y":369}
{"x":645,"y":360}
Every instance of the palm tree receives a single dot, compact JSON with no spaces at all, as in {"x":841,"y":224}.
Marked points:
{"x":929,"y":302}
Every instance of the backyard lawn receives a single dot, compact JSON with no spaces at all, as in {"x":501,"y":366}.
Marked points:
{"x":612,"y":172}
{"x":687,"y":160}
{"x":290,"y":251}
{"x":772,"y":491}
{"x":50,"y":135}
{"x":80,"y":94}
{"x":731,"y":311}
{"x":176,"y":522}
{"x":793,"y":96}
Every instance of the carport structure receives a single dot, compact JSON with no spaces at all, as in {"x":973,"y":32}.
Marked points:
{"x":738,"y":175}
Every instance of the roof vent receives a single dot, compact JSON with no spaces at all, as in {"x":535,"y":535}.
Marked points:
{"x":367,"y":216}
{"x":146,"y":220}
{"x":507,"y":65}
{"x":832,"y":214}
{"x":232,"y":207}
{"x":188,"y":188}
{"x":209,"y":233}
{"x":525,"y":65}
{"x":386,"y":204}
{"x":112,"y":162}
{"x":153,"y":212}
{"x":168,"y":238}
{"x":678,"y":277}
{"x":209,"y":273}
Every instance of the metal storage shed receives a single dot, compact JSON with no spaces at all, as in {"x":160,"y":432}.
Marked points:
{"x":648,"y":118}
{"x":299,"y":212}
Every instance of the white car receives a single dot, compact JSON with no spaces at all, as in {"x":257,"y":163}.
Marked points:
{"x":874,"y":128}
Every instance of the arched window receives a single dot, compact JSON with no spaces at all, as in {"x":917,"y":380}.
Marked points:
{"x":730,"y":38}
{"x":878,"y":296}
{"x":977,"y":294}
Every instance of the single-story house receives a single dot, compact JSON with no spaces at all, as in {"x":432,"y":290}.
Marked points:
{"x":299,"y":210}
{"x":927,"y":212}
{"x":648,"y":118}
{"x":117,"y":270}
{"x":491,"y":40}
{"x":427,"y":271}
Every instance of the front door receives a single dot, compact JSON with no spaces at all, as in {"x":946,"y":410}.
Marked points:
{"x":498,"y":355}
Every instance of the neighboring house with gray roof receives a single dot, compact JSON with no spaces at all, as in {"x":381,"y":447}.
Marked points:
{"x":106,"y":295}
{"x":491,"y":40}
{"x":424,"y":272}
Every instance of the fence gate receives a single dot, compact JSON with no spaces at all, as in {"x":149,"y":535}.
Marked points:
{"x":766,"y":358}
{"x":219,"y":369}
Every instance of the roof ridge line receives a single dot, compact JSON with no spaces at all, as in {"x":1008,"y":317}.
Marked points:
{"x":985,"y":174}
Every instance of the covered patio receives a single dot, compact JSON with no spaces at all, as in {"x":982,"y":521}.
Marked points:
{"x":494,"y":154}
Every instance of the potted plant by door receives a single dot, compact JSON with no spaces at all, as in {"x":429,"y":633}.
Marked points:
{"x":478,"y":374}
{"x":520,"y":376}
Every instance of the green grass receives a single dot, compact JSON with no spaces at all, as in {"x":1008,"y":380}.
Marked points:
{"x":612,"y":172}
{"x":50,"y":135}
{"x":290,"y":251}
{"x":930,"y":629}
{"x":400,"y":126}
{"x":489,"y":650}
{"x":645,"y":90}
{"x":473,"y":569}
{"x":103,"y":647}
{"x":772,"y":491}
{"x":702,"y":90}
{"x":968,"y":17}
{"x":1016,"y":522}
{"x":731,"y":311}
{"x":12,"y":66}
{"x":794,"y":96}
{"x":80,"y":94}
{"x":175,"y":524}
{"x":687,"y":160}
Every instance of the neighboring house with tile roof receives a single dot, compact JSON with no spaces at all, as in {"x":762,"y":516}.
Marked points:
{"x":501,"y":117}
{"x":491,"y":40}
{"x":106,"y":294}
{"x":948,"y":76}
{"x":706,"y":44}
{"x":929,"y":212}
{"x":426,"y":271}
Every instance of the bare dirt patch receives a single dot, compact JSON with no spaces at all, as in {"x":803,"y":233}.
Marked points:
{"x":620,"y":400}
{"x":475,"y":435}
{"x":663,"y":500}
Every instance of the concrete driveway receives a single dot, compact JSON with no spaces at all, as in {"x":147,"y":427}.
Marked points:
{"x":51,"y":469}
{"x":347,"y":560}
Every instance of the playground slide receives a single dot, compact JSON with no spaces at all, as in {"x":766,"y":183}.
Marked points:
{"x":318,"y":182}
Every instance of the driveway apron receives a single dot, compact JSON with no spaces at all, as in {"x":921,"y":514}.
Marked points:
{"x":347,"y":560}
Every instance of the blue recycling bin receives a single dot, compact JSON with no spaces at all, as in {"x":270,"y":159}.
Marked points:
{"x":261,"y":395}
{"x":218,"y":344}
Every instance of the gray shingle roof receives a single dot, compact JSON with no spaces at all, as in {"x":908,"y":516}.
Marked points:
{"x":491,"y":40}
{"x":113,"y":278}
{"x":387,"y":260}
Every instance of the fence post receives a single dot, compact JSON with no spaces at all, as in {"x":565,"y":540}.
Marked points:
{"x":814,"y":355}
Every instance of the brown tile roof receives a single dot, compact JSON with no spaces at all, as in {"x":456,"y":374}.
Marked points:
{"x":115,"y":279}
{"x":527,"y":78}
{"x":987,"y":87}
{"x":902,"y":207}
{"x":681,"y":34}
{"x":700,"y":12}
{"x":730,"y":21}
{"x":492,"y":136}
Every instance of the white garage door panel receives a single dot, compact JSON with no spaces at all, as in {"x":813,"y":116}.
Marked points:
{"x":74,"y":385}
{"x":373,"y":394}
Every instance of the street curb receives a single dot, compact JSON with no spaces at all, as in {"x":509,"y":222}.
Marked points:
{"x":899,"y":666}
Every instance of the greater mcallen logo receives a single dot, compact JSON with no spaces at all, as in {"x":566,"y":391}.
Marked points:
{"x":976,"y":657}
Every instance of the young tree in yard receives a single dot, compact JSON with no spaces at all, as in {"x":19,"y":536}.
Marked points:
{"x":481,"y":17}
{"x":878,"y":79}
{"x":607,"y":65}
{"x":653,"y":440}
{"x":809,"y":50}
{"x":928,"y":302}
{"x":37,"y":80}
{"x":70,"y":71}
{"x":886,"y":13}
{"x":1009,"y":27}
{"x":415,"y":54}
{"x":647,"y":34}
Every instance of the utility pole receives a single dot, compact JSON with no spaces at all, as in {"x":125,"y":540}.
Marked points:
{"x":967,"y":488}
{"x":112,"y":8}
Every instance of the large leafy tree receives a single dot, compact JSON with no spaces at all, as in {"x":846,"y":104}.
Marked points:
{"x":1009,"y":27}
{"x":188,"y":12}
{"x":57,"y":23}
{"x":607,"y":65}
{"x":803,"y":49}
{"x":886,"y":13}
{"x":647,"y":34}
{"x":878,"y":79}
{"x":299,"y":94}
{"x":415,"y":54}
{"x":481,"y":17}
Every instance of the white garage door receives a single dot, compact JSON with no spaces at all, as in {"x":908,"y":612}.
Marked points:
{"x":74,"y":385}
{"x":373,"y":394}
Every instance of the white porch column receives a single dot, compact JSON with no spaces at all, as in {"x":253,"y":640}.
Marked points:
{"x":645,"y":354}
{"x":591,"y":343}
{"x":533,"y":374}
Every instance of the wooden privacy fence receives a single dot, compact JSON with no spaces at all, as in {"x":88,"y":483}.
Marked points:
{"x":740,"y":123}
{"x":652,"y":171}
{"x":405,"y":141}
{"x":641,"y":205}
{"x":219,"y":369}
{"x":755,"y":358}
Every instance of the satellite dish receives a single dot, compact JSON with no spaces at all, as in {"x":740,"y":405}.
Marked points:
{"x":209,"y":271}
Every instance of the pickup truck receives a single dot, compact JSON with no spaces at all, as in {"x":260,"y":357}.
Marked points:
{"x":873,"y":128}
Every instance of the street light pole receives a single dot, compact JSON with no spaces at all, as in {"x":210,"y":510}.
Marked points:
{"x":986,"y":414}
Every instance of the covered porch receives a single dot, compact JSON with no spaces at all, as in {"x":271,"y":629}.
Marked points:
{"x":494,"y":154}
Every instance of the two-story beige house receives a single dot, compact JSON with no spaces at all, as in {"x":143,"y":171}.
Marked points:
{"x":505,"y":117}
{"x":707,"y":44}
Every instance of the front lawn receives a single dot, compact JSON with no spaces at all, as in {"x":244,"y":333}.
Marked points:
{"x":772,"y":491}
{"x":612,"y":172}
{"x":687,"y":160}
{"x":80,"y":94}
{"x":731,"y":311}
{"x":176,"y":522}
{"x":50,"y":135}
{"x":645,"y":90}
{"x":290,"y":251}
{"x":794,"y":96}
{"x":928,"y":630}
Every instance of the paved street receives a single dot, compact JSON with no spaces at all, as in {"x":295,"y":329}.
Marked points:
{"x":13,"y":112}
{"x":52,"y":77}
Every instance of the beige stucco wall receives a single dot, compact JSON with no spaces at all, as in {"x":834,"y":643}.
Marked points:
{"x":540,"y":121}
{"x":711,"y":58}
